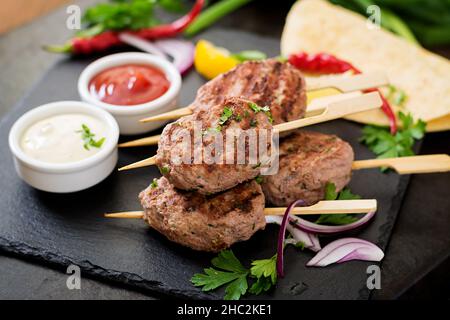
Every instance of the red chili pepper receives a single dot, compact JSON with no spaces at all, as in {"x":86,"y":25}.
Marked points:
{"x":323,"y":63}
{"x":108,"y":39}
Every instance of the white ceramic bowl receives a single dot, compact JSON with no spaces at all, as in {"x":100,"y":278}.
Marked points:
{"x":64,"y":177}
{"x":128,"y":116}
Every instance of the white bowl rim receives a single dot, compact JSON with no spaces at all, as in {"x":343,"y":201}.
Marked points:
{"x":123,"y":58}
{"x":57,"y":108}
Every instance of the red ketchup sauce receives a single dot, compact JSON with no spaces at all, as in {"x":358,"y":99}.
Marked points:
{"x":129,"y":85}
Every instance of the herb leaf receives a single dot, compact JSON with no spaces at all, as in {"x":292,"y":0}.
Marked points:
{"x":227,"y":113}
{"x":154,"y":183}
{"x":88,"y":138}
{"x":125,"y":14}
{"x":384,"y":145}
{"x":337,"y":219}
{"x":265,"y":268}
{"x":235,"y":275}
{"x":232,"y":273}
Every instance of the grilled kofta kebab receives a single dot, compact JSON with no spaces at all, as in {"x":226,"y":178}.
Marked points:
{"x":307,"y":162}
{"x":210,"y":175}
{"x":205,"y":223}
{"x":266,"y":82}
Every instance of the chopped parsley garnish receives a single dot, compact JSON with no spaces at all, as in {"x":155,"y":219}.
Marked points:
{"x":257,"y":165}
{"x":165,"y":170}
{"x":226,"y":115}
{"x":338,"y":219}
{"x":385,"y":145}
{"x":259,"y":179}
{"x":154,"y":183}
{"x":88,"y":138}
{"x":253,"y":123}
{"x":238,"y":118}
{"x":212,"y":130}
{"x":229,"y":271}
{"x":265,"y":109}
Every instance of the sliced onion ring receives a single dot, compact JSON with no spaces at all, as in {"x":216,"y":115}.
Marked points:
{"x":346,"y":249}
{"x":142,"y":44}
{"x":309,"y":226}
{"x":181,"y":51}
{"x":310,"y":240}
{"x":282,"y":235}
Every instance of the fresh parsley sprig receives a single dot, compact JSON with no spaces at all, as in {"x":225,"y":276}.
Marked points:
{"x":385,"y":145}
{"x":265,"y":109}
{"x":88,"y":138}
{"x":125,"y":14}
{"x":338,"y":219}
{"x":229,"y":271}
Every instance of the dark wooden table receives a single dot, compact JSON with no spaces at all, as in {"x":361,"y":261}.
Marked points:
{"x":418,"y":256}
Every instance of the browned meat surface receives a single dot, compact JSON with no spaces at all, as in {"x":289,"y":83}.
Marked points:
{"x":308,"y":160}
{"x":214,"y":171}
{"x":267,"y":83}
{"x":205,"y":223}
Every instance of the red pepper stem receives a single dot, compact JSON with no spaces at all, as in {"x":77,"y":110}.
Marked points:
{"x":66,"y":48}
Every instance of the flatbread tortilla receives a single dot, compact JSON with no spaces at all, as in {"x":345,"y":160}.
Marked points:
{"x":315,"y":26}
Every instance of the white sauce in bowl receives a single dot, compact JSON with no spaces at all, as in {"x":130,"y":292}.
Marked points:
{"x":59,"y":139}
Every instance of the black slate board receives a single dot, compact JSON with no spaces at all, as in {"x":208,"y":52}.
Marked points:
{"x":66,"y":229}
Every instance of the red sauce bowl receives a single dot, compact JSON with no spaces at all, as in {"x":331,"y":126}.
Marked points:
{"x":131,"y":86}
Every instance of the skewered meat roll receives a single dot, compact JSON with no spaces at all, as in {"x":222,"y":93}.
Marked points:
{"x":308,"y":160}
{"x":205,"y":223}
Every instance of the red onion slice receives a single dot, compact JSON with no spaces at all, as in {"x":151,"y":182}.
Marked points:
{"x":310,"y":240}
{"x":309,"y":226}
{"x":181,"y":51}
{"x":346,"y":249}
{"x":142,"y":44}
{"x":282,"y":235}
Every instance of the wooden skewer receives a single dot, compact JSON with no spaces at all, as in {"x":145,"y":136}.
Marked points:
{"x":336,"y":110}
{"x":322,"y":207}
{"x":148,"y":141}
{"x":403,"y":165}
{"x":343,"y":84}
{"x":333,"y":111}
{"x":314,"y":108}
{"x":140,"y":164}
{"x":408,"y":165}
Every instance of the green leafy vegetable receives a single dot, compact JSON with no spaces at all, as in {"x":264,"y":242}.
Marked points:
{"x":385,"y":145}
{"x":226,"y":115}
{"x":88,"y":138}
{"x":229,"y":271}
{"x":265,"y":268}
{"x":165,"y":170}
{"x":337,"y":219}
{"x":235,"y":275}
{"x":125,"y":14}
{"x":265,"y":109}
{"x":265,"y":272}
{"x":259,"y":179}
{"x":154,"y":183}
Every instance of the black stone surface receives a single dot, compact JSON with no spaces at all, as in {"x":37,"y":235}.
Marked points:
{"x":64,"y":229}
